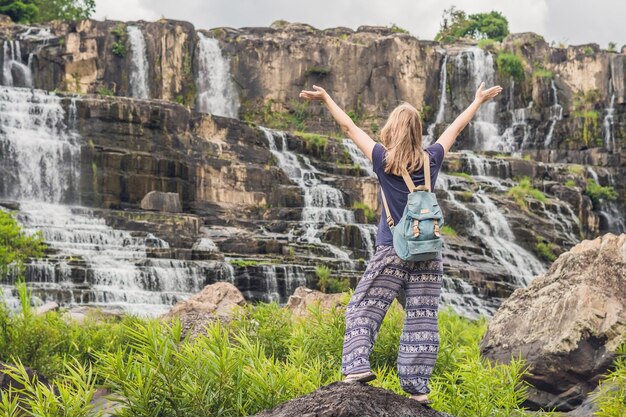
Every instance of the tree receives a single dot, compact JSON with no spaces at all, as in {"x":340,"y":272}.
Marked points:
{"x":19,"y":10}
{"x":456,"y":24}
{"x":29,"y":11}
{"x":65,"y":9}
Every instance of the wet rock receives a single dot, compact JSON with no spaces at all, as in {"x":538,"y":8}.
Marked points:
{"x":7,"y":381}
{"x":46,"y":308}
{"x":566,"y":324}
{"x":215,"y":301}
{"x":351,"y":400}
{"x":160,"y":201}
{"x":304,"y":298}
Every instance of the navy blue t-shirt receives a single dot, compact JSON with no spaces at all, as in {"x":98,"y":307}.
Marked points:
{"x":396,"y":190}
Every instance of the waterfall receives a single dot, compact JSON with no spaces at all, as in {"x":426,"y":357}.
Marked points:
{"x":88,"y":262}
{"x":609,"y":138}
{"x":216,"y":91}
{"x":612,"y":217}
{"x":484,"y":128}
{"x":13,"y":65}
{"x":556,"y":114}
{"x":139,"y":68}
{"x":270,"y":283}
{"x":443,"y":100}
{"x":40,"y":157}
{"x":358,"y":158}
{"x":323,"y":204}
{"x":519,"y":121}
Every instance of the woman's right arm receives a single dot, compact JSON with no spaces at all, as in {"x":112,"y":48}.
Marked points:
{"x":448,"y":137}
{"x":361,"y":139}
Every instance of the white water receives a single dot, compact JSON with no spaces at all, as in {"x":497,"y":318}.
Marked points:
{"x":139,"y":68}
{"x":13,"y":64}
{"x":40,"y":156}
{"x":216,"y":91}
{"x":484,"y":129}
{"x":609,"y":134}
{"x":443,"y":101}
{"x":519,"y":122}
{"x":556,"y":114}
{"x":613,"y":217}
{"x":323,"y":204}
{"x":91,"y":263}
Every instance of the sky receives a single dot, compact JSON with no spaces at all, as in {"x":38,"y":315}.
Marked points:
{"x":571,"y":22}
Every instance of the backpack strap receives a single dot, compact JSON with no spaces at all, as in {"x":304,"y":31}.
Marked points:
{"x":389,"y":218}
{"x":409,"y":181}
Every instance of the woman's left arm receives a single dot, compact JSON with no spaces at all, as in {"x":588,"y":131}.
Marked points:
{"x":358,"y":136}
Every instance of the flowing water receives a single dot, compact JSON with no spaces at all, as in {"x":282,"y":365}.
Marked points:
{"x":139,"y":68}
{"x":15,"y":72}
{"x":556,"y":114}
{"x":443,"y":101}
{"x":612,"y":218}
{"x":216,"y":91}
{"x":90,"y":262}
{"x":609,"y":134}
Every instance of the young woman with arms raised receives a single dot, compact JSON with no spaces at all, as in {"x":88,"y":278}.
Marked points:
{"x":386,"y":273}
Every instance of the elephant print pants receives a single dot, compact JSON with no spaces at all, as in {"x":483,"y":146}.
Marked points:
{"x":384,"y":276}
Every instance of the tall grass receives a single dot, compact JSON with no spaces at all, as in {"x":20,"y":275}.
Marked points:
{"x":263,"y":357}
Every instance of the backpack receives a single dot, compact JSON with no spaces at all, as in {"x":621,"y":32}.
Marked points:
{"x":417,"y":236}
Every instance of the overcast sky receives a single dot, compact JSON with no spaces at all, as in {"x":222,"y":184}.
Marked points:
{"x":571,"y":22}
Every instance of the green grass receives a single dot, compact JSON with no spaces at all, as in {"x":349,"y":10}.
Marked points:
{"x":486,"y":43}
{"x":397,"y":29}
{"x":328,"y":284}
{"x":462,"y":175}
{"x":313,"y":139}
{"x":524,"y":190}
{"x":262,"y":357}
{"x":546,"y":251}
{"x":244,"y":263}
{"x":611,"y":401}
{"x":541,"y":72}
{"x":370,"y":213}
{"x":510,"y":65}
{"x":105,"y":91}
{"x":570,"y":183}
{"x":576,"y":169}
{"x":447,"y":230}
{"x":598,"y":193}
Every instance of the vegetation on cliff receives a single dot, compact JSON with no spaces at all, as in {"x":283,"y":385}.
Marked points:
{"x":30,"y":11}
{"x":16,"y":246}
{"x":456,"y":24}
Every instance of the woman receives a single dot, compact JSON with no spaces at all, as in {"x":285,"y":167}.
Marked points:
{"x":386,"y":273}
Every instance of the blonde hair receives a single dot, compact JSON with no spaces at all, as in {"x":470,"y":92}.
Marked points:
{"x":402,"y":136}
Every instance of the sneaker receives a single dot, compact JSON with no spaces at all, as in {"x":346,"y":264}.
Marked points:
{"x":360,"y":377}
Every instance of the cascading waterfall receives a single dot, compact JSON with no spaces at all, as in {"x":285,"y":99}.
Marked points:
{"x":323,"y":204}
{"x":556,"y":114}
{"x":484,"y":128}
{"x":609,"y":138}
{"x":139,"y":68}
{"x":443,"y":100}
{"x":519,"y":122}
{"x":90,"y":262}
{"x":612,"y":217}
{"x":490,"y":227}
{"x":267,"y":282}
{"x":216,"y":91}
{"x":15,"y":72}
{"x":40,"y":156}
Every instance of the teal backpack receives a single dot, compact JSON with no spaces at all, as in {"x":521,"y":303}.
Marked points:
{"x":417,"y":236}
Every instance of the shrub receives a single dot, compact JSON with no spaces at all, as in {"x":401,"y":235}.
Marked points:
{"x":397,"y":29}
{"x":16,"y":246}
{"x":105,"y":91}
{"x":523,"y":190}
{"x":486,"y":43}
{"x":611,"y":399}
{"x":588,"y":50}
{"x":546,"y":250}
{"x":612,"y":47}
{"x":570,"y":183}
{"x":318,"y":70}
{"x":541,"y":72}
{"x":462,"y":175}
{"x":328,"y":284}
{"x":510,"y":65}
{"x":118,"y":49}
{"x":598,"y":193}
{"x":313,"y":139}
{"x":576,"y":169}
{"x":369,"y":212}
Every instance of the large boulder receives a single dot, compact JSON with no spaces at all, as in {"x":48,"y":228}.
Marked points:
{"x":566,"y":324}
{"x":215,"y":301}
{"x":160,"y":201}
{"x":351,"y":400}
{"x":6,"y":381}
{"x":303,"y":298}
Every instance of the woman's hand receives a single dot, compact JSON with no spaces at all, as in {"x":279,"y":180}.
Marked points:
{"x":483,"y":96}
{"x":319,"y":94}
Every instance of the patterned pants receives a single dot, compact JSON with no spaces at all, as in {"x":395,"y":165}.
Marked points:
{"x":385,"y":275}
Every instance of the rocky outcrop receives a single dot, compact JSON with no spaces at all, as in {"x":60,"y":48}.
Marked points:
{"x":215,"y":301}
{"x":7,"y":382}
{"x":352,"y":400}
{"x":566,"y":324}
{"x":305,"y":298}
